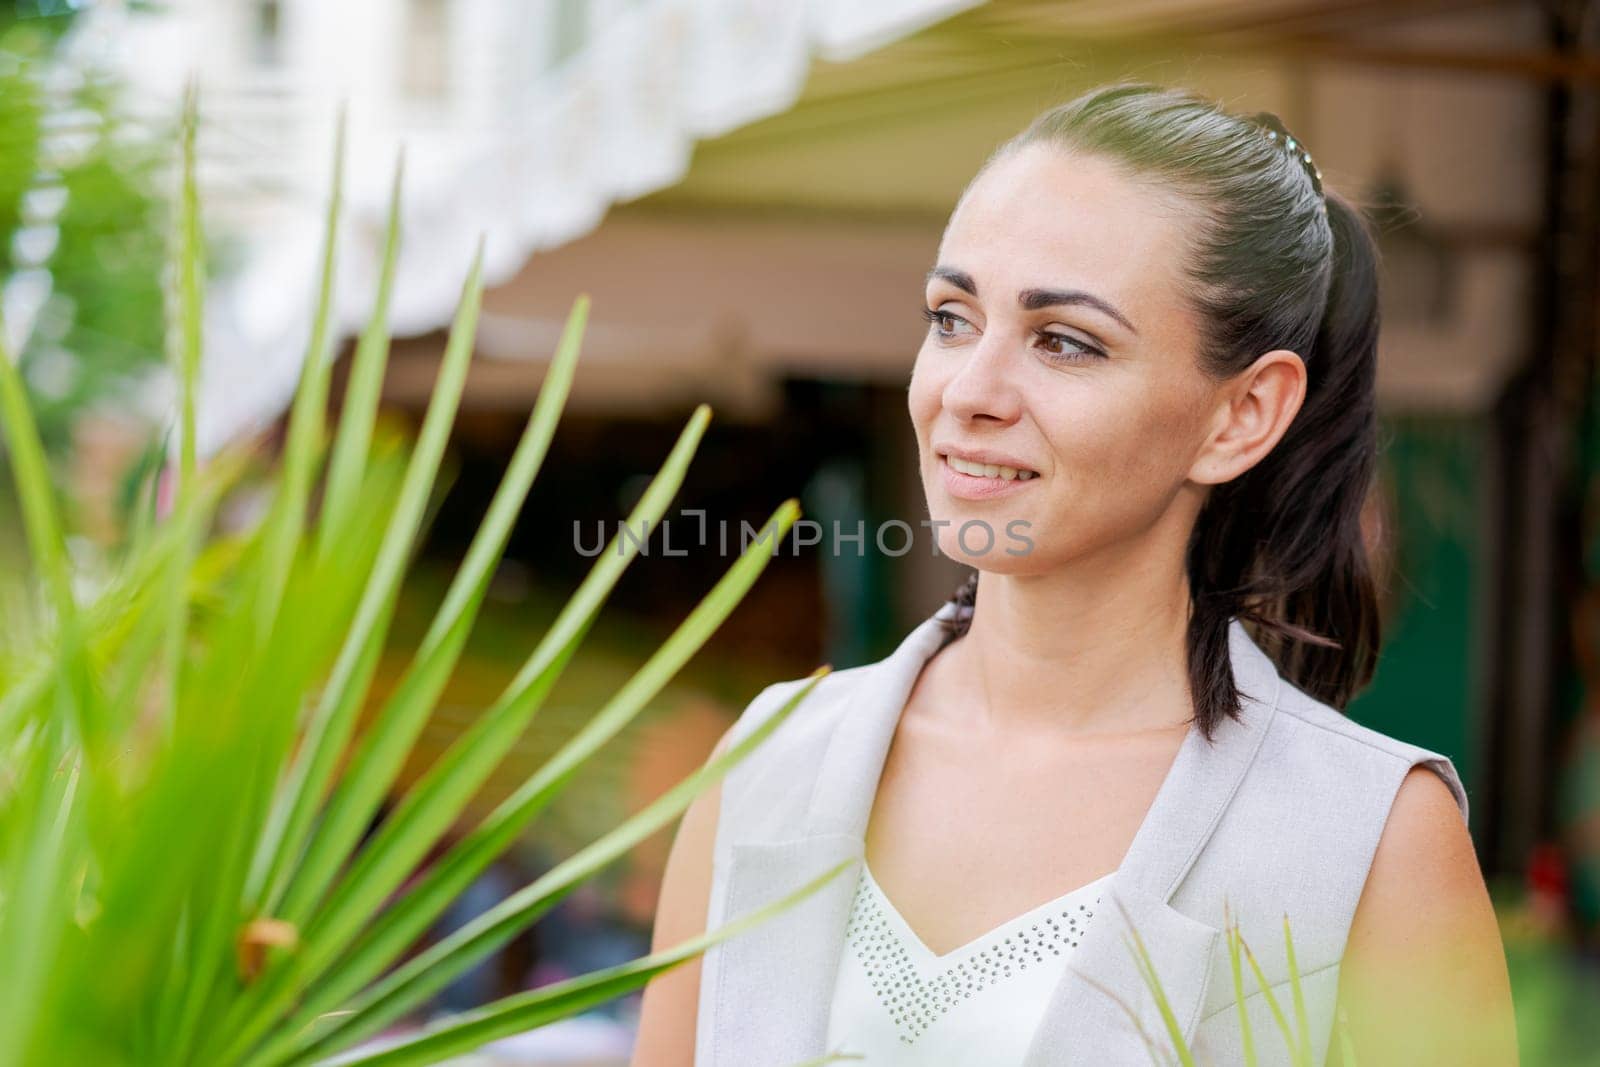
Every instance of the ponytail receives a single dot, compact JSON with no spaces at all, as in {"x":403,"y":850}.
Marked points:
{"x":1281,"y":546}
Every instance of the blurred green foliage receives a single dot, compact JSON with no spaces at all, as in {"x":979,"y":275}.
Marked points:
{"x":203,"y":858}
{"x":82,"y":226}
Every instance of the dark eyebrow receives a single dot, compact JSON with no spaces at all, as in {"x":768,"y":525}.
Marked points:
{"x":1034,"y":299}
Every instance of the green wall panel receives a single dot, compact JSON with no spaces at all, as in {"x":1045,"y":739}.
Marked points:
{"x":1428,"y":679}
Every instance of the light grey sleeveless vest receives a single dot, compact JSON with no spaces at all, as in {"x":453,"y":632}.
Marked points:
{"x":1280,"y":814}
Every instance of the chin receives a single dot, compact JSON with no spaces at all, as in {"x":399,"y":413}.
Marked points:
{"x":996,"y":540}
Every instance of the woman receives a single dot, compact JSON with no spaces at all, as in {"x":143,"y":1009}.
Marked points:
{"x":1151,"y":354}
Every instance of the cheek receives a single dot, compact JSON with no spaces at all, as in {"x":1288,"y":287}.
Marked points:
{"x":1122,"y":453}
{"x":1118,"y":442}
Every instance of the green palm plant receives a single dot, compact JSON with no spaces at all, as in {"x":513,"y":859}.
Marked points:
{"x":186,"y":870}
{"x":1296,"y":1038}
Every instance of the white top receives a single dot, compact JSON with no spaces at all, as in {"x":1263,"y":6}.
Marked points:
{"x":899,"y":1004}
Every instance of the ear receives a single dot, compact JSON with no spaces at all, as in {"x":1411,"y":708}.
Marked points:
{"x":1254,"y":410}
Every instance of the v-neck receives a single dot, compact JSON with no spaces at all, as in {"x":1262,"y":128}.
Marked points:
{"x":1074,"y":906}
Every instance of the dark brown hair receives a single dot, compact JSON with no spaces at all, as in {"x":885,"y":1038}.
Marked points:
{"x":1275,"y":262}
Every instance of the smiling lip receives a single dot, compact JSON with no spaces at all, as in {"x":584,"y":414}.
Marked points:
{"x":981,"y":455}
{"x":974,"y":487}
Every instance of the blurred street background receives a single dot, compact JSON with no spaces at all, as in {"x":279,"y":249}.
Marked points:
{"x":751,"y":192}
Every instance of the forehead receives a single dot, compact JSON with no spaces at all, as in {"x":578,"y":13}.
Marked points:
{"x":1042,"y":216}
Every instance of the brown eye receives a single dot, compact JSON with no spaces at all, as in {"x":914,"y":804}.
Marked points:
{"x":1065,"y":348}
{"x":943,"y":321}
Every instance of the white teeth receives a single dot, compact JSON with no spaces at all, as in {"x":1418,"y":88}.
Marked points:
{"x":989,"y":470}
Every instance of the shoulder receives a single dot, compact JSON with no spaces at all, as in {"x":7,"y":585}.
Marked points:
{"x":1424,"y":863}
{"x":766,"y":795}
{"x":1425,"y":831}
{"x":1317,"y":796}
{"x":1302,"y":828}
{"x":1386,"y":823}
{"x":1424,"y":975}
{"x":1325,"y":741}
{"x":816,"y":711}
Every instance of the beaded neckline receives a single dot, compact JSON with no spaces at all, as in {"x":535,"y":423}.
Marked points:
{"x":1078,"y":910}
{"x":917,"y":986}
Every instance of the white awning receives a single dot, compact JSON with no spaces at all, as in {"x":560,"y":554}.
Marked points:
{"x":521,"y":122}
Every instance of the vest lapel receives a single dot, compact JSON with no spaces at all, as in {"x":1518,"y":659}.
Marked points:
{"x":772,"y":986}
{"x":1091,"y":1015}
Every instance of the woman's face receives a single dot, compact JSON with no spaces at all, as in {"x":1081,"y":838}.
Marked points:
{"x":1061,"y":342}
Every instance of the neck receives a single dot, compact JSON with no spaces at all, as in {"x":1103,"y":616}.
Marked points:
{"x":1098,"y":646}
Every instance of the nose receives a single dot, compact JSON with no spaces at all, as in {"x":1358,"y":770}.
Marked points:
{"x":984,"y":386}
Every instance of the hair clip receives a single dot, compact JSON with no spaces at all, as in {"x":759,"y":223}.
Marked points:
{"x":1273,"y":126}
